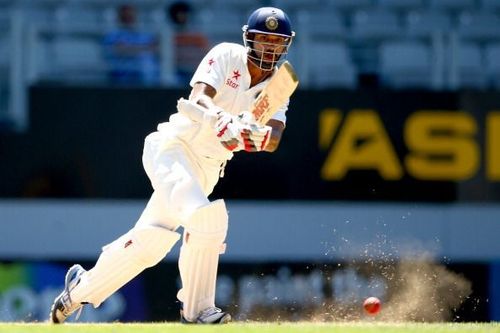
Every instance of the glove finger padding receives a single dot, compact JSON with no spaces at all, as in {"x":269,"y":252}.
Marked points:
{"x":256,"y":138}
{"x":238,"y":132}
{"x":233,"y":145}
{"x":230,"y":136}
{"x":223,"y":120}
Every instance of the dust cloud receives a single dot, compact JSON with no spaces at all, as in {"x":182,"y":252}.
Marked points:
{"x":416,"y":290}
{"x":424,"y":291}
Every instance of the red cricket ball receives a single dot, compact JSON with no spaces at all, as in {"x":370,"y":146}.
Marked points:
{"x":372,"y":305}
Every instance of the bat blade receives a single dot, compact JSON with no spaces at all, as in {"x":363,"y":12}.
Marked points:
{"x":275,"y":94}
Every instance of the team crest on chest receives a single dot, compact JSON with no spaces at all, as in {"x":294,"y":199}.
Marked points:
{"x":233,"y":80}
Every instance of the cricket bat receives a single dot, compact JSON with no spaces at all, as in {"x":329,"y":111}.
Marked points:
{"x":275,"y":94}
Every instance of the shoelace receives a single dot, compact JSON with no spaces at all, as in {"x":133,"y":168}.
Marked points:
{"x":211,"y":311}
{"x":68,"y":305}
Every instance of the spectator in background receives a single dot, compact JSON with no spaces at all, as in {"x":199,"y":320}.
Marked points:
{"x":131,"y":54}
{"x":190,"y":44}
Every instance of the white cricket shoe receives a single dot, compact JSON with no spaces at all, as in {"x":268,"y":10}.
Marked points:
{"x":212,"y":315}
{"x":63,"y":306}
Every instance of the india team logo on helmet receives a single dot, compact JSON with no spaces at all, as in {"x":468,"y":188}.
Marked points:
{"x":267,"y":21}
{"x":272,"y":23}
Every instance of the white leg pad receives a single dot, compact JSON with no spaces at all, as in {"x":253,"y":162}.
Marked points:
{"x":199,"y":257}
{"x":122,"y":260}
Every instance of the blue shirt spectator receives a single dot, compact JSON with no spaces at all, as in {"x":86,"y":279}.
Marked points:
{"x":131,"y":54}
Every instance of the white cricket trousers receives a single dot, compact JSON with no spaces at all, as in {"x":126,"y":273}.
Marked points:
{"x":181,"y":184}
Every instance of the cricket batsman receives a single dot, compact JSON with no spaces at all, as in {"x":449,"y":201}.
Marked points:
{"x":184,"y":160}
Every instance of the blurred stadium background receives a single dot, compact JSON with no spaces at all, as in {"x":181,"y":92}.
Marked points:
{"x":387,"y":182}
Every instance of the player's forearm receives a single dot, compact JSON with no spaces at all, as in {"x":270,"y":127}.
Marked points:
{"x":202,"y":94}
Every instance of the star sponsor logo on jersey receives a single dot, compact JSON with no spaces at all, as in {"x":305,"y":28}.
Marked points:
{"x":210,"y":63}
{"x":236,"y":75}
{"x":233,"y":80}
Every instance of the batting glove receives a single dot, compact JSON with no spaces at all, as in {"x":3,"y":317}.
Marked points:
{"x":240,"y":133}
{"x":223,"y":120}
{"x":228,"y":129}
{"x":255,"y":137}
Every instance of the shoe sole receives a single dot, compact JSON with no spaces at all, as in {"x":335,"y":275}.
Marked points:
{"x":52,"y":315}
{"x":226,"y":318}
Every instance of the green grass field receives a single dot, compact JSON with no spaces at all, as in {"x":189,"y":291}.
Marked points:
{"x":361,"y":327}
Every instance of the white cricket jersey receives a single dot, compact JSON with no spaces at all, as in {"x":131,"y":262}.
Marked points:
{"x":224,"y":68}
